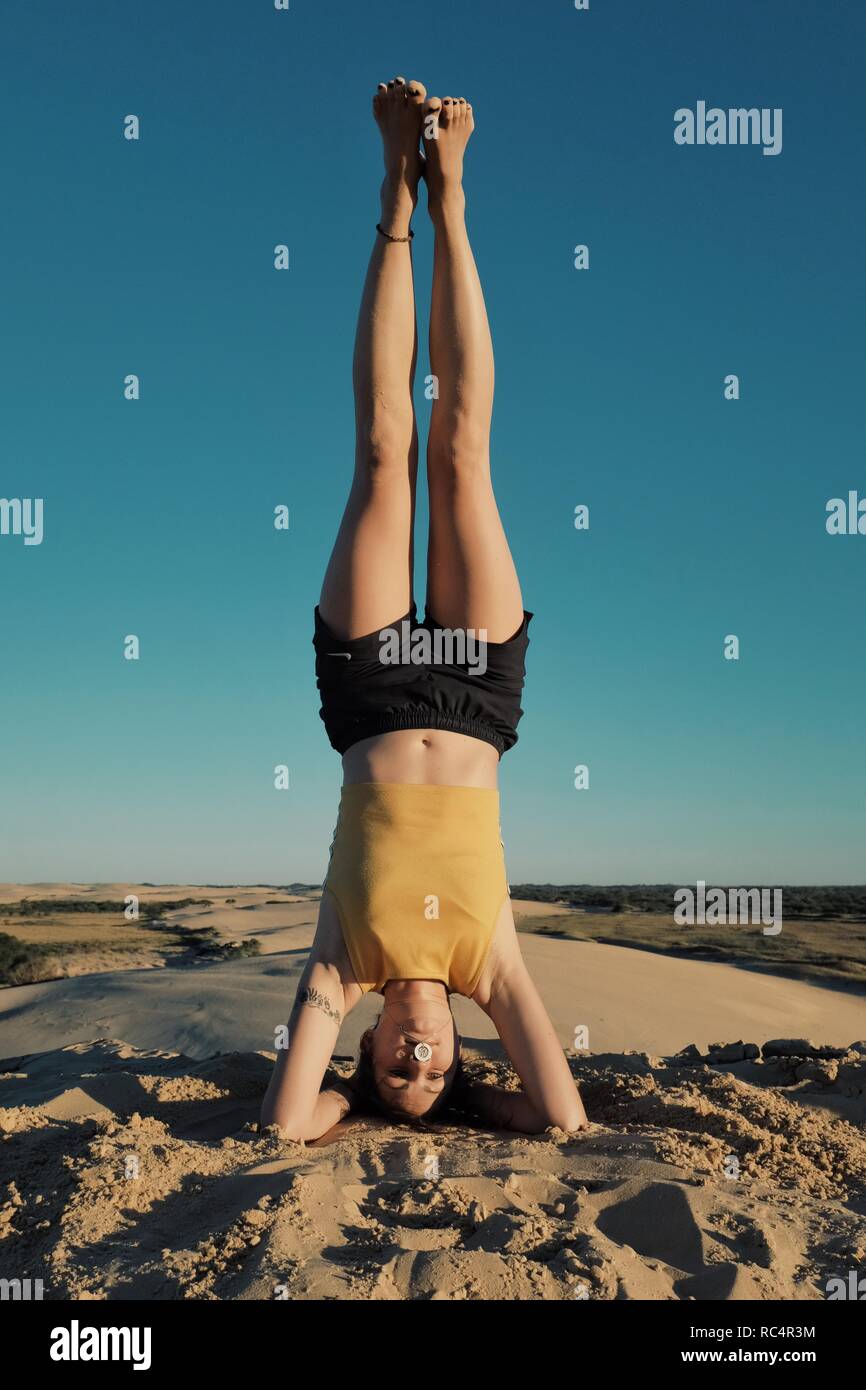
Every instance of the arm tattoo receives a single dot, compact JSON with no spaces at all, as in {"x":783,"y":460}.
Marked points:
{"x":315,"y":999}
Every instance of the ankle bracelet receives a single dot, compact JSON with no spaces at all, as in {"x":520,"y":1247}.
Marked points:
{"x":388,"y":237}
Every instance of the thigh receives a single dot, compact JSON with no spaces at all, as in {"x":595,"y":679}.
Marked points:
{"x":368,"y":581}
{"x":471,"y":578}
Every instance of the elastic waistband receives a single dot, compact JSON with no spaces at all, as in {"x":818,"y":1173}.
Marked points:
{"x":389,"y":721}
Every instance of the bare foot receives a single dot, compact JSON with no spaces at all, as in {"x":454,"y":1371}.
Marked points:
{"x":447,"y":124}
{"x":397,"y":107}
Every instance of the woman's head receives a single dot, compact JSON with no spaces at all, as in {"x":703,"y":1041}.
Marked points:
{"x":410,"y":1059}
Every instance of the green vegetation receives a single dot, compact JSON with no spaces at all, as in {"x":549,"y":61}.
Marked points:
{"x":826,"y":952}
{"x":206,"y":944}
{"x":46,"y":938}
{"x":23,"y":963}
{"x":847,"y":902}
{"x":822,"y":937}
{"x":47,"y":907}
{"x":251,"y":947}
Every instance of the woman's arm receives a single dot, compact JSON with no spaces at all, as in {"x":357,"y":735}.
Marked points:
{"x":504,"y":1109}
{"x":549,"y":1095}
{"x":331,"y":1106}
{"x":294,"y":1099}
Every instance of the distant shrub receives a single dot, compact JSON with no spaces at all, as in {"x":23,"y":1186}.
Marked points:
{"x":49,"y":907}
{"x":24,"y":964}
{"x":251,"y":947}
{"x":206,"y":945}
{"x":799,"y":900}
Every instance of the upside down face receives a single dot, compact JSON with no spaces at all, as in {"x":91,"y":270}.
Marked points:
{"x":412,"y":1080}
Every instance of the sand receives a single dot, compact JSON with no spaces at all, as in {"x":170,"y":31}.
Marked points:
{"x":134,"y":1168}
{"x":135,"y":1174}
{"x":628,"y":1000}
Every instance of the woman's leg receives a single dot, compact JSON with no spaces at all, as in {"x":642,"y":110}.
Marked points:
{"x":471,"y":579}
{"x":368,"y":582}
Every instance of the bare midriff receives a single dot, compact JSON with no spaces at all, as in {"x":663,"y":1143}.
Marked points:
{"x":433,"y":757}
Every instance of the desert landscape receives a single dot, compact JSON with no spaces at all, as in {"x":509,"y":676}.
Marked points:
{"x":726,"y":1158}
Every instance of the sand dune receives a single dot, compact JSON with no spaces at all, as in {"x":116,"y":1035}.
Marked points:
{"x":134,"y":1169}
{"x":629,"y":1000}
{"x":130,"y":1174}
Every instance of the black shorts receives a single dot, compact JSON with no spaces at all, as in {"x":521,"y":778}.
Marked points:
{"x":465,"y":689}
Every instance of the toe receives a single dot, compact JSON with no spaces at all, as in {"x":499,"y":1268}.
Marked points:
{"x":416,"y":92}
{"x":448,"y":105}
{"x":430,"y":119}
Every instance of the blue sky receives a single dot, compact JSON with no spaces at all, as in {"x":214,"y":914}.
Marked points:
{"x":707,"y":515}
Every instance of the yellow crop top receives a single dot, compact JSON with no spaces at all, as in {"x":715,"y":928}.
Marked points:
{"x":417,"y":873}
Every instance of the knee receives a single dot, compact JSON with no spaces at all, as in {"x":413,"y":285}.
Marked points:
{"x":383,"y":449}
{"x":461,"y":458}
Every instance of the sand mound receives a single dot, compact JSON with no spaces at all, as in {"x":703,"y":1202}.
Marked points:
{"x":132,"y":1174}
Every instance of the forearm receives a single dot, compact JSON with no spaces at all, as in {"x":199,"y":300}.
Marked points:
{"x":506,"y":1109}
{"x":293,"y":1100}
{"x":328,"y":1109}
{"x":535,"y":1052}
{"x":331,"y":1107}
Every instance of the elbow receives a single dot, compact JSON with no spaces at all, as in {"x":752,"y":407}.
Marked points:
{"x":292,"y":1127}
{"x":569,"y":1118}
{"x":294,"y":1134}
{"x":566,"y":1115}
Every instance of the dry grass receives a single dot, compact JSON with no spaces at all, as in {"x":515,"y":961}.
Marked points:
{"x":827,"y":952}
{"x":75,"y":931}
{"x":52,"y":946}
